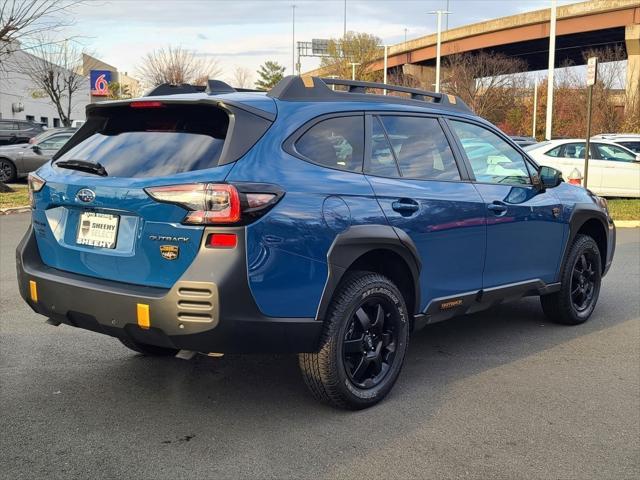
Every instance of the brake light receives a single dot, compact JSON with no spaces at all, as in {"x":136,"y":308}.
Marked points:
{"x":35,"y":185}
{"x":209,"y":203}
{"x":145,"y":104}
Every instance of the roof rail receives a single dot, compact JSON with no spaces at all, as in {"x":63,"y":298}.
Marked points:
{"x":294,"y":88}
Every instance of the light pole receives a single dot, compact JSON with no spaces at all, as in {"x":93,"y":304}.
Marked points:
{"x":293,"y":39}
{"x":552,"y":61}
{"x":353,"y":70}
{"x":439,"y":14}
{"x":385,"y":66}
{"x":344,"y":32}
{"x":535,"y":107}
{"x":405,"y":35}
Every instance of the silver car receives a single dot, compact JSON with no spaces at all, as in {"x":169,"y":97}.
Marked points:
{"x":17,"y":161}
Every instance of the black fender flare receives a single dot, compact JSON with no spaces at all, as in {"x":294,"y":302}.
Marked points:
{"x":358,"y":240}
{"x":581,"y":214}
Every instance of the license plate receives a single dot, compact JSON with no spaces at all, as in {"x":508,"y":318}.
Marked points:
{"x":98,"y":230}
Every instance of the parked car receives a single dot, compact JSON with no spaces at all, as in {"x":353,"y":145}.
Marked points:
{"x":52,"y":131}
{"x":628,"y":140}
{"x":16,"y":161}
{"x":523,"y":141}
{"x":18,"y":131}
{"x":614,"y":171}
{"x":326,"y":223}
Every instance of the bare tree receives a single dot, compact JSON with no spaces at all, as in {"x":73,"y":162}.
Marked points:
{"x":55,"y":68}
{"x":23,"y":21}
{"x":177,"y":65}
{"x":242,"y":77}
{"x":487,"y":82}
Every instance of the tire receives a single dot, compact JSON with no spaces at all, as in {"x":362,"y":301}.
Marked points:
{"x":580,"y":282}
{"x":363,"y":344}
{"x":8,"y":172}
{"x":148,"y":350}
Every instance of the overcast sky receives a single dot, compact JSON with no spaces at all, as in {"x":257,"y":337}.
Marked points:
{"x":246,"y":33}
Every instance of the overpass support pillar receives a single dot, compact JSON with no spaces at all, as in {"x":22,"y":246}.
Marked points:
{"x":632,"y":86}
{"x":425,"y":75}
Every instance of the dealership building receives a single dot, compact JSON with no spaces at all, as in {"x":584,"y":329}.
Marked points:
{"x":21,"y":99}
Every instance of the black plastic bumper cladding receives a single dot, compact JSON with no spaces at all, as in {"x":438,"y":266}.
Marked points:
{"x":210,"y":309}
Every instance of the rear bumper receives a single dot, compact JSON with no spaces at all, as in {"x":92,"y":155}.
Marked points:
{"x":210,"y":309}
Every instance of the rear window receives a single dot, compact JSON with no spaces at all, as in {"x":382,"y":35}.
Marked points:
{"x":152,"y":142}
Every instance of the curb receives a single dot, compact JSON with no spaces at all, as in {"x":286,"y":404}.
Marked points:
{"x":12,"y":210}
{"x":627,"y":223}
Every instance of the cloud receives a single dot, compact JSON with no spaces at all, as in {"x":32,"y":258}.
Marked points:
{"x":201,"y":36}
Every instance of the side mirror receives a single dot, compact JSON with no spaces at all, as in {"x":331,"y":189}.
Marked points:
{"x":550,"y":177}
{"x":36,"y":149}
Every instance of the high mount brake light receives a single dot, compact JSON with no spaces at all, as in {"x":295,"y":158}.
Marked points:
{"x":146,"y":104}
{"x":219,"y":203}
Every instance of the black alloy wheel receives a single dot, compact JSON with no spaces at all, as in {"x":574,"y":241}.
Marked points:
{"x":369,"y":346}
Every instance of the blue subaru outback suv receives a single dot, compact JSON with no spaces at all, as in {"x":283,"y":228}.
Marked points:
{"x":329,"y":222}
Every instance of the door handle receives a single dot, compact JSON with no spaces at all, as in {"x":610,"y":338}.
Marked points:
{"x":405,"y":206}
{"x":497,"y":208}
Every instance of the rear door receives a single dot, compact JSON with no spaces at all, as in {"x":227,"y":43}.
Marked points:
{"x":422,"y":191}
{"x":104,"y":224}
{"x":525,"y":234}
{"x":619,"y":168}
{"x":36,"y":155}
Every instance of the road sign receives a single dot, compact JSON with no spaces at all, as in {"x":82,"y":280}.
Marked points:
{"x":592,"y":71}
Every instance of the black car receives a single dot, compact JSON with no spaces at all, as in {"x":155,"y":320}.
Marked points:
{"x":18,"y":131}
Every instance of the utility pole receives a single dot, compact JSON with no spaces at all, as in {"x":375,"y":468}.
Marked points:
{"x":353,"y":70}
{"x":439,"y":14}
{"x":592,"y":75}
{"x":293,"y":39}
{"x":535,"y":107}
{"x":552,"y":62}
{"x":344,"y":32}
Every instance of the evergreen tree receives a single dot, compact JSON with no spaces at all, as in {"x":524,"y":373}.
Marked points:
{"x":269,"y":74}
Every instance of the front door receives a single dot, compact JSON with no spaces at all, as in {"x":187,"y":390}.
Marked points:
{"x":620,"y":172}
{"x":524,"y":229}
{"x":417,"y":182}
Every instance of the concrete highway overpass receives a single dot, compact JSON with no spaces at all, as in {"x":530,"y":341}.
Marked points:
{"x":579,"y":27}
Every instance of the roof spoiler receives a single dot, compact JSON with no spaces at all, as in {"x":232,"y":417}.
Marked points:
{"x":294,"y":88}
{"x":213,"y":87}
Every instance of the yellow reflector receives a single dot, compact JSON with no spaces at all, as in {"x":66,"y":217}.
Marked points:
{"x":143,"y":316}
{"x":33,"y":289}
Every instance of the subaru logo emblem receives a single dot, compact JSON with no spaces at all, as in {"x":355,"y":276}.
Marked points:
{"x":85,"y":195}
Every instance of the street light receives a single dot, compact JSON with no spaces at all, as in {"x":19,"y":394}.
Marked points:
{"x":439,"y":14}
{"x":353,"y":70}
{"x":552,"y":61}
{"x":384,"y":75}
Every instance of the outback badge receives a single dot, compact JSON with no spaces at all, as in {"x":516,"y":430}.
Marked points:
{"x":169,"y":252}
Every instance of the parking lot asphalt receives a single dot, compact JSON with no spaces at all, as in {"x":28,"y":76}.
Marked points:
{"x":501,"y":394}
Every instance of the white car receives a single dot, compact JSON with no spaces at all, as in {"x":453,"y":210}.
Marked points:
{"x":629,"y":140}
{"x":614,"y":171}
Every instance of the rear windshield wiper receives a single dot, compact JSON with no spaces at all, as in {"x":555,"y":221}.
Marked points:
{"x":83,"y":166}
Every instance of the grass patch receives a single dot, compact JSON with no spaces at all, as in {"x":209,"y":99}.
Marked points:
{"x":624,"y":208}
{"x":18,"y":198}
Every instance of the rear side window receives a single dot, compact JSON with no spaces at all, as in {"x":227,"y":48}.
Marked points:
{"x":573,"y":150}
{"x":554,"y":152}
{"x":421,"y":148}
{"x":335,"y":143}
{"x":633,"y":146}
{"x":152,"y":142}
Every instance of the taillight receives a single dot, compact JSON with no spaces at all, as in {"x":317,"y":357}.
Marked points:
{"x":218,"y":203}
{"x":209,"y":203}
{"x":35,"y":185}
